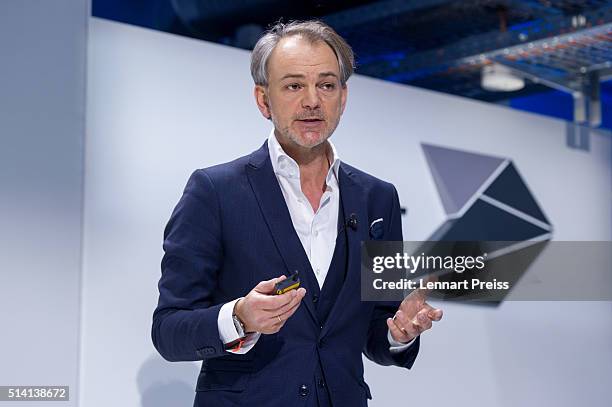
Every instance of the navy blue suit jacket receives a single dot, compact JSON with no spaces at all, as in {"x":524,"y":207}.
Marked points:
{"x":232,"y":229}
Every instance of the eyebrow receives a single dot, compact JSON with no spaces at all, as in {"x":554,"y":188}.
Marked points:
{"x":301,"y":76}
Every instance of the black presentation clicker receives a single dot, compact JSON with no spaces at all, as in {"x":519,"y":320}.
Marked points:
{"x":288,"y":284}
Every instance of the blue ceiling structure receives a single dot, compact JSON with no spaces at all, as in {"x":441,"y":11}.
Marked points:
{"x":561,"y":48}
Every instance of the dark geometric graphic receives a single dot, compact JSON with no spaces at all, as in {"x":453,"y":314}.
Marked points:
{"x":509,"y":188}
{"x":458,"y":174}
{"x":485,"y":199}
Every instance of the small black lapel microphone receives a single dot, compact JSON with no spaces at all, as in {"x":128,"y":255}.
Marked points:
{"x":352,"y":221}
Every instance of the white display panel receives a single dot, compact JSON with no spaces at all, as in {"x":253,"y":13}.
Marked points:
{"x":160,"y":106}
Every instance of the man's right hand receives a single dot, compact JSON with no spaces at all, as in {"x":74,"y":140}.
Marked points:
{"x":263,"y":311}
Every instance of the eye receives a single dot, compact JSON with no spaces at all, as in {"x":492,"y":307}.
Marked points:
{"x":294,"y":86}
{"x":328,"y":86}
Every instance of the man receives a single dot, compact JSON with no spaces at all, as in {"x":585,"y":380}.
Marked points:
{"x":243,"y":226}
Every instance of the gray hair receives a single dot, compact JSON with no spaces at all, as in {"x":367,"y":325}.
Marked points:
{"x":312,"y":30}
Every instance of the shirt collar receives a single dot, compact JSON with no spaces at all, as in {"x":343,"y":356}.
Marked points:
{"x":286,"y":166}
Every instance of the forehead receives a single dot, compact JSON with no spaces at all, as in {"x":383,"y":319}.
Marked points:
{"x":297,"y":55}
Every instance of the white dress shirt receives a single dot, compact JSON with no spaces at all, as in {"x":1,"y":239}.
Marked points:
{"x":317,"y":230}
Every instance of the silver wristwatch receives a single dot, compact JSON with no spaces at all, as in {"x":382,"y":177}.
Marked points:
{"x":239,"y":326}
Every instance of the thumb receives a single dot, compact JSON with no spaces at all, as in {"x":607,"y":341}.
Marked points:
{"x":435,"y":314}
{"x":267,"y":286}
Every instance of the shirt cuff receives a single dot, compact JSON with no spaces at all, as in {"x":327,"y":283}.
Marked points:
{"x":397,"y":347}
{"x":228,"y":332}
{"x":249,"y":341}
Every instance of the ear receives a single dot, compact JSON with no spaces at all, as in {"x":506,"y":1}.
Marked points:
{"x":343,"y":97}
{"x":261,"y":98}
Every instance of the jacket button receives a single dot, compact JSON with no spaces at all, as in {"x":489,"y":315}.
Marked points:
{"x":321,"y":383}
{"x":315,"y":298}
{"x":303,"y":390}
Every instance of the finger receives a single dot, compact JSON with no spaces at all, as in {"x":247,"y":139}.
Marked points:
{"x":287,"y":314}
{"x":423,"y":293}
{"x":426,"y":307}
{"x":422,"y":320}
{"x":273,"y":303}
{"x":435,"y":314}
{"x":267,"y":286}
{"x":279,"y":320}
{"x":271,"y":329}
{"x":396,"y":333}
{"x":270,"y":323}
{"x":297,"y":298}
{"x":405,"y":324}
{"x":275,"y":323}
{"x":414,"y":300}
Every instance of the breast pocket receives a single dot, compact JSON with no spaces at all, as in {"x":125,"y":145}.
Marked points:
{"x":377,"y":229}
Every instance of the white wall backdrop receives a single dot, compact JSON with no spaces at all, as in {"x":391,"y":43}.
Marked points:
{"x":42,"y":127}
{"x":160,"y":106}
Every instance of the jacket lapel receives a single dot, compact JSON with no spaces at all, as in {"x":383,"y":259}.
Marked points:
{"x":276,"y":214}
{"x":354,"y":203}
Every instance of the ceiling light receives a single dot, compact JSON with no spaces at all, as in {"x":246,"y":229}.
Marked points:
{"x":498,"y":78}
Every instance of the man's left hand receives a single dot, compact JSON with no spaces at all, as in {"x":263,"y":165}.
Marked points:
{"x":413,"y":317}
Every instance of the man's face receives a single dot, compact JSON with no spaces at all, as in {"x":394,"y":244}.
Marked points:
{"x":304,"y":97}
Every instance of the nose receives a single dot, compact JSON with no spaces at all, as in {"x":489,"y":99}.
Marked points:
{"x":311,"y":99}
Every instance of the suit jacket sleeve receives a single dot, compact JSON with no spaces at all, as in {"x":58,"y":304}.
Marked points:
{"x":185,"y":320}
{"x":377,"y":345}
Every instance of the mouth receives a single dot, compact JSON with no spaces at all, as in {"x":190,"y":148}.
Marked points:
{"x":310,"y":120}
{"x":310,"y":125}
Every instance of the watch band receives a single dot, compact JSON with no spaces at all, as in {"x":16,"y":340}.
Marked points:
{"x":238,"y":325}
